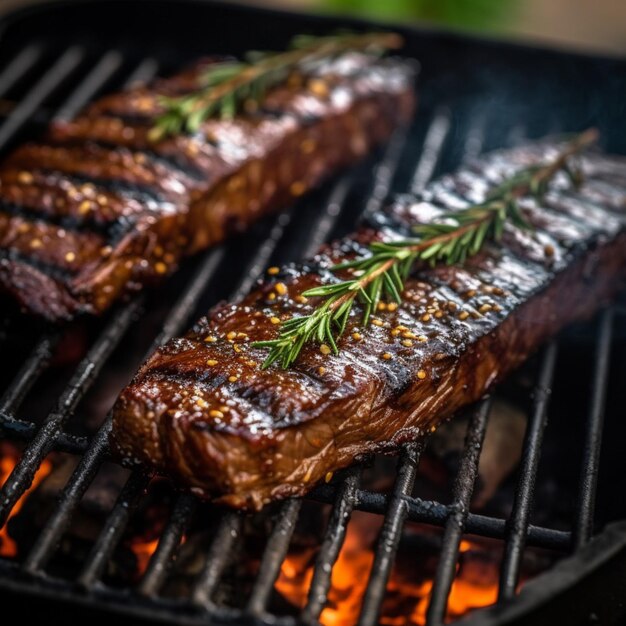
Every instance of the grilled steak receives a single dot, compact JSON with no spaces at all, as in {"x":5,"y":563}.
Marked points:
{"x":96,"y":209}
{"x":203,"y":411}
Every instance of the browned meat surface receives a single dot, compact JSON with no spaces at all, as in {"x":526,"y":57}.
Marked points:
{"x":97,"y":210}
{"x":202,"y":410}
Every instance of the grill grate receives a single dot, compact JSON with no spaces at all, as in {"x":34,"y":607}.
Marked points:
{"x":449,"y":128}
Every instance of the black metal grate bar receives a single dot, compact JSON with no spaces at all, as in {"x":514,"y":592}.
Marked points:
{"x":436,"y":514}
{"x":169,"y":542}
{"x":517,"y":526}
{"x":593,"y":438}
{"x":34,"y":365}
{"x":228,"y":533}
{"x":116,"y":522}
{"x":88,"y":88}
{"x":22,"y":430}
{"x":274,"y":555}
{"x":63,"y":67}
{"x":80,"y":480}
{"x":345,"y":500}
{"x":328,"y":218}
{"x":18,"y":66}
{"x":143,"y":73}
{"x":390,"y":534}
{"x":384,"y":173}
{"x":42,"y":443}
{"x":262,"y":256}
{"x":455,"y":524}
{"x":433,"y":147}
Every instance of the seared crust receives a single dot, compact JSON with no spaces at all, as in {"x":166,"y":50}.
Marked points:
{"x":202,"y":410}
{"x":97,"y":210}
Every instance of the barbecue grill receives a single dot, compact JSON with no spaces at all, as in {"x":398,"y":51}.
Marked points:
{"x":474,"y":96}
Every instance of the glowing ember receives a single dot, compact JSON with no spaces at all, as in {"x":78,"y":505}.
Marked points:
{"x":407,"y":601}
{"x":9,"y":456}
{"x":143,"y":551}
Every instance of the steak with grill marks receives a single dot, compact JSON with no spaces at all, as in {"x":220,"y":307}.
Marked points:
{"x":97,"y":210}
{"x":203,"y":411}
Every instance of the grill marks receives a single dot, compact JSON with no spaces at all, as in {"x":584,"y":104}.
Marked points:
{"x":260,"y":435}
{"x":97,"y":210}
{"x":115,"y":168}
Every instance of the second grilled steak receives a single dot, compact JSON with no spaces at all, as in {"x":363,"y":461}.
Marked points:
{"x":203,"y":411}
{"x":97,"y":209}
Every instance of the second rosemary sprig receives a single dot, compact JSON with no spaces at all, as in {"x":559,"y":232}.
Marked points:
{"x":383,"y":271}
{"x":227,"y":87}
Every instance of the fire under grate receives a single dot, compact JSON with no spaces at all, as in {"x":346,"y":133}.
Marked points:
{"x":469,"y":102}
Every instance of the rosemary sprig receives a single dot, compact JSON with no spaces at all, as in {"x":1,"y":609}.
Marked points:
{"x":383,"y":272}
{"x":226,"y":87}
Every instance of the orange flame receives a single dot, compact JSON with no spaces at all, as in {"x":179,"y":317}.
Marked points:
{"x":143,"y":551}
{"x":9,"y":456}
{"x":349,"y":580}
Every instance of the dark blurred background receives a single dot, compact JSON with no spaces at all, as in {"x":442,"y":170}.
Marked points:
{"x":598,"y":25}
{"x":590,"y":24}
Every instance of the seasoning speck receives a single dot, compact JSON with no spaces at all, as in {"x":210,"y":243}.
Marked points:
{"x":421,"y":374}
{"x":318,"y":87}
{"x":307,"y":146}
{"x":297,"y":188}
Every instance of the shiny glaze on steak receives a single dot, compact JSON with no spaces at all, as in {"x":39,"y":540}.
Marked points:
{"x":97,"y":210}
{"x":202,"y":410}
